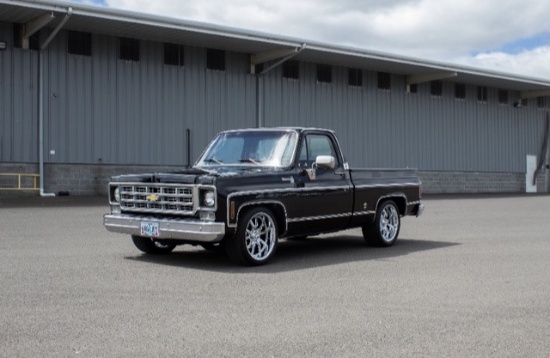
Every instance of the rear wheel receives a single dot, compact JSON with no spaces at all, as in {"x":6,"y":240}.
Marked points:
{"x":150,"y":246}
{"x":255,"y":240}
{"x":385,"y":229}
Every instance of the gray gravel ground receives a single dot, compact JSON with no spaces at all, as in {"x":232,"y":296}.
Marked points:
{"x":470,"y":278}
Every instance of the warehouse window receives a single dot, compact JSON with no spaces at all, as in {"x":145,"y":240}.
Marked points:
{"x":482,"y":94}
{"x":291,"y":69}
{"x":34,"y":40}
{"x":460,"y":90}
{"x":355,"y":77}
{"x":384,"y":81}
{"x":173,"y":54}
{"x":215,"y":59}
{"x":128,"y":49}
{"x":541,"y":102}
{"x":436,"y":88}
{"x":79,"y":43}
{"x":524,"y":102}
{"x":258,"y":68}
{"x":502,"y":96}
{"x":324,"y":73}
{"x":413,"y":88}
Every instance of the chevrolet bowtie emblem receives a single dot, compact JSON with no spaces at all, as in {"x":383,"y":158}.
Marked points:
{"x":152,"y":197}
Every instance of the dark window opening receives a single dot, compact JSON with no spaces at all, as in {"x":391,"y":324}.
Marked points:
{"x":436,"y":88}
{"x":482,"y":94}
{"x":173,"y":55}
{"x":541,"y":102}
{"x":215,"y":59}
{"x":34,"y":39}
{"x":324,"y":73}
{"x":355,"y":77}
{"x":502,"y":96}
{"x":460,"y":90}
{"x":258,"y":68}
{"x":413,"y":88}
{"x":128,"y":49}
{"x":524,"y":102}
{"x":384,"y":81}
{"x":79,"y":43}
{"x":291,"y":69}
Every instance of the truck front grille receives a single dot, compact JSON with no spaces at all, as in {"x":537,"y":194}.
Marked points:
{"x":158,"y":198}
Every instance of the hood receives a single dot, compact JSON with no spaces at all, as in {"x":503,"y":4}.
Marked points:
{"x":194,"y":175}
{"x":186,"y":176}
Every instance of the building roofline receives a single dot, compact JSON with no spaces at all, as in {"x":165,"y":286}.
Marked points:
{"x":118,"y":22}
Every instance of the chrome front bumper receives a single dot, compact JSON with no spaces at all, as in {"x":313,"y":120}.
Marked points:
{"x":188,"y":230}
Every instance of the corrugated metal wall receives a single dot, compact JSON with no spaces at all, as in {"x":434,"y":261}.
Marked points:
{"x":380,"y":128}
{"x":105,"y":110}
{"x":19,"y":102}
{"x":100,"y":109}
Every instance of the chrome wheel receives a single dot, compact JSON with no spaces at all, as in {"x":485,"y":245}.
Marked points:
{"x":255,"y":240}
{"x":260,"y":236}
{"x":389,"y":223}
{"x":385,"y":228}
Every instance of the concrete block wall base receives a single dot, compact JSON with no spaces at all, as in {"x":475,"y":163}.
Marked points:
{"x":92,"y":180}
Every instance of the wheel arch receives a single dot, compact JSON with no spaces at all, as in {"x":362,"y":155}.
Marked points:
{"x":277,"y":208}
{"x":400,"y":199}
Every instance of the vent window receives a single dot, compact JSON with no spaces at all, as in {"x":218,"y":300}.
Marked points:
{"x":436,"y":88}
{"x":460,"y":90}
{"x":129,"y":49}
{"x":355,"y":77}
{"x":482,"y":94}
{"x":324,"y":73}
{"x":215,"y":59}
{"x":291,"y":69}
{"x":173,"y":54}
{"x":384,"y":81}
{"x":79,"y":43}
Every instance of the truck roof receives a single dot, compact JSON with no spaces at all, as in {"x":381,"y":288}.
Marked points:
{"x":296,"y":129}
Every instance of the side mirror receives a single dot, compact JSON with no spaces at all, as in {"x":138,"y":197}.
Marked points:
{"x":325,"y":162}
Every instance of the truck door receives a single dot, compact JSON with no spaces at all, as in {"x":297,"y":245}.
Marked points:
{"x":324,"y":203}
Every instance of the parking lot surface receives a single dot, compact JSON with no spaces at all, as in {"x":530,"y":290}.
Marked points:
{"x":469,"y":278}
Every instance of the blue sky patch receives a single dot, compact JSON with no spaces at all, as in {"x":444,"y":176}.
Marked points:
{"x":524,"y":44}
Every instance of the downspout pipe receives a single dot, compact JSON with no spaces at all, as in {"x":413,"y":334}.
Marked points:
{"x":41,"y":101}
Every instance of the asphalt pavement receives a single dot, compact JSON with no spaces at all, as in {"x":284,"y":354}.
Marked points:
{"x":469,"y":278}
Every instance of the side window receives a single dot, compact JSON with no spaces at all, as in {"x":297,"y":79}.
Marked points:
{"x":313,"y":146}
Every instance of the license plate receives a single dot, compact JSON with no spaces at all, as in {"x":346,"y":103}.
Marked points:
{"x":150,"y":229}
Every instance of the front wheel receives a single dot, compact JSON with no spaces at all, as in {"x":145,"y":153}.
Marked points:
{"x":385,"y":229}
{"x":150,"y":246}
{"x":255,"y":240}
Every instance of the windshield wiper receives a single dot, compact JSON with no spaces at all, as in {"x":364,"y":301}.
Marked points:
{"x":213,"y":160}
{"x":249,"y":160}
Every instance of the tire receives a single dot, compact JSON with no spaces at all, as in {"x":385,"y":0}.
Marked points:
{"x":385,"y":229}
{"x":255,"y":240}
{"x":150,"y":246}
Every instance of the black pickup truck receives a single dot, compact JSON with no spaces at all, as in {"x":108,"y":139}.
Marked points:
{"x":252,"y":187}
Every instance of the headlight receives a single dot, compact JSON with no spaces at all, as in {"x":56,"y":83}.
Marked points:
{"x":209,"y":199}
{"x":116,"y":194}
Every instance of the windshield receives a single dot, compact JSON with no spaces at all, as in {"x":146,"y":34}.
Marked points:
{"x":272,"y":148}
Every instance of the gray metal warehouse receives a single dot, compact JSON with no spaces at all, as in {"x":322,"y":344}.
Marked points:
{"x":88,"y":92}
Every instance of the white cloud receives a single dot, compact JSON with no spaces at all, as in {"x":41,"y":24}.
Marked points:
{"x":534,"y":63}
{"x":432,"y":29}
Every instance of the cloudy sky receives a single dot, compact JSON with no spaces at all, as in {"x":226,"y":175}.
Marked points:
{"x":510,"y":36}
